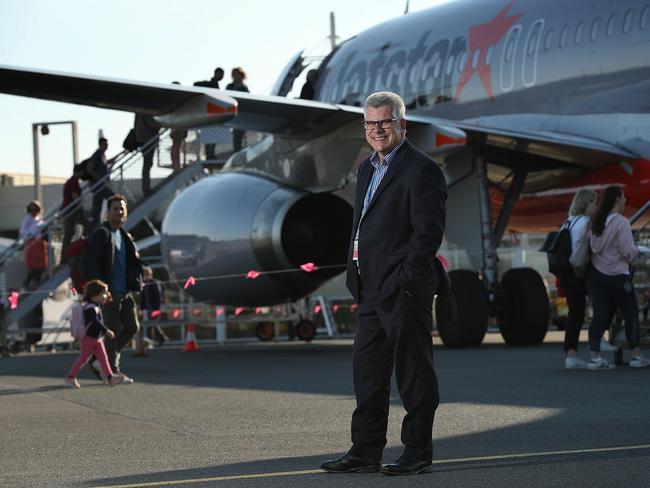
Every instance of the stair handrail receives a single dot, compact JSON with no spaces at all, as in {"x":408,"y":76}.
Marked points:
{"x":120,"y":164}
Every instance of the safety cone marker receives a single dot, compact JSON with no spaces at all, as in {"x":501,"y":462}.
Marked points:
{"x":190,"y":344}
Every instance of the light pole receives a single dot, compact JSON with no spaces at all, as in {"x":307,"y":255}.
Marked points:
{"x":45,"y":130}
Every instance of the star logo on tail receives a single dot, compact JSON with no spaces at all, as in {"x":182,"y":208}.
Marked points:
{"x":481,"y":38}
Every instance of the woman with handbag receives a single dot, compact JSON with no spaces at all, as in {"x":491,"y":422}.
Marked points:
{"x":574,"y":286}
{"x":609,"y":280}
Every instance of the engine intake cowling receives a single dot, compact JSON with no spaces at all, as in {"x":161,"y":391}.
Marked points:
{"x":231,"y":223}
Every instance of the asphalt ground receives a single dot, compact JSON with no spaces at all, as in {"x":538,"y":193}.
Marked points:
{"x":265,"y":415}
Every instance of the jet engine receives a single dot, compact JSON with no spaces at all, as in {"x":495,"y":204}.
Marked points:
{"x":228,"y":224}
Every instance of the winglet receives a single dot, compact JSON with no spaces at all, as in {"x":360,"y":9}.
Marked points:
{"x":200,"y":110}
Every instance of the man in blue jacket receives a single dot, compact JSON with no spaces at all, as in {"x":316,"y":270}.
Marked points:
{"x":398,"y":225}
{"x":111,"y":256}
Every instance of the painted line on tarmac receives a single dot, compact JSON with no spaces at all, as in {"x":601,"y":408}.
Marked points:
{"x":498,"y":457}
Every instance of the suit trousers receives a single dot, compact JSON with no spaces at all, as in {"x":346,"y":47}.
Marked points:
{"x":121,"y":317}
{"x":395,"y":334}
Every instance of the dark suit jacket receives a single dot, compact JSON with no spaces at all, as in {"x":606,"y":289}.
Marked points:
{"x":401,"y":230}
{"x":100,"y":255}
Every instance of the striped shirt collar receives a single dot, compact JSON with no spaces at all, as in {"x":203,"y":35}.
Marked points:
{"x":374,"y":159}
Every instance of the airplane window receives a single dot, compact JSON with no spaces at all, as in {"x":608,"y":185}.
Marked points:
{"x":477,"y":53}
{"x":595,"y":29}
{"x":461,"y":61}
{"x":488,"y":55}
{"x":611,"y":25}
{"x":510,"y":49}
{"x":579,"y":29}
{"x":643,"y":20}
{"x":627,"y":21}
{"x":437,"y":67}
{"x":564,"y":36}
{"x":532,"y":43}
{"x":548,"y":41}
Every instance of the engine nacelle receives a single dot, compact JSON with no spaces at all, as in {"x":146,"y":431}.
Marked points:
{"x":228,"y":224}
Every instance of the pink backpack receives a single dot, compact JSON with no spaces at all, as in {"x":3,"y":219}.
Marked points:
{"x":77,"y":322}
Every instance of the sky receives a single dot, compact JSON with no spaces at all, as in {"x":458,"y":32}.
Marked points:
{"x":158,"y":41}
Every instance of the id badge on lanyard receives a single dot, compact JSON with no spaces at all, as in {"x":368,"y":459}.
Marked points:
{"x":355,"y":251}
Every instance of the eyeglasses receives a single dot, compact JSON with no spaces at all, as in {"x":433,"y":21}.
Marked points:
{"x":369,"y":125}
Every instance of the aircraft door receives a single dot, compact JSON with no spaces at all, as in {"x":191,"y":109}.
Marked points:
{"x":507,"y":78}
{"x":291,"y":71}
{"x":531,"y":52}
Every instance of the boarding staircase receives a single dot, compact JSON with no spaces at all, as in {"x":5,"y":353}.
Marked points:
{"x":124,"y":178}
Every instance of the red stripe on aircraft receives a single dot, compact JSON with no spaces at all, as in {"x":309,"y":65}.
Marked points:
{"x":218,"y":109}
{"x":443,"y":140}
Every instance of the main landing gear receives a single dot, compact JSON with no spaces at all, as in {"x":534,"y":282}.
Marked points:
{"x":519,"y":301}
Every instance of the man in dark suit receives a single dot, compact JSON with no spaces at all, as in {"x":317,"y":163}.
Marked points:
{"x":398,"y":225}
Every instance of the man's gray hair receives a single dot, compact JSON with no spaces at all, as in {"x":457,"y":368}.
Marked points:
{"x":381,"y":99}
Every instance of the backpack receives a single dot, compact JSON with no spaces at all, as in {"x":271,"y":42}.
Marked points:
{"x":77,"y":321}
{"x":557,"y":247}
{"x":75,"y":257}
{"x":83,"y":165}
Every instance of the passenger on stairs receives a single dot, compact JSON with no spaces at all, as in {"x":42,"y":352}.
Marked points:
{"x":146,"y":128}
{"x":97,"y":169}
{"x":73,"y":216}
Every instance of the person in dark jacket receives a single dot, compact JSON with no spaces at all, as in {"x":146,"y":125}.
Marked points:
{"x":146,"y":128}
{"x":308,"y":91}
{"x":398,"y":225}
{"x":151,"y":298}
{"x":111,"y":256}
{"x":237,"y":84}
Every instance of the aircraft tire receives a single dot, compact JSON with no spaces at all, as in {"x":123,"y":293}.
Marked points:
{"x":305,"y":330}
{"x":265,"y":331}
{"x":462,"y":316}
{"x":523,"y":312}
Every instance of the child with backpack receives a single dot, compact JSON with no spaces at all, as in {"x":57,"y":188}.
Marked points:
{"x":87,"y":325}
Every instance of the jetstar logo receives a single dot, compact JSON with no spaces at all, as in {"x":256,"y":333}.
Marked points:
{"x":481,"y":38}
{"x":421,"y":70}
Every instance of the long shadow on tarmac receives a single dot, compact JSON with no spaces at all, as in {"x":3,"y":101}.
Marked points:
{"x":562,"y":410}
{"x":303,"y":471}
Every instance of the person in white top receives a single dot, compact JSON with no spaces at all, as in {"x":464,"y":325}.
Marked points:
{"x":574,"y":287}
{"x":32,"y":222}
{"x":30,"y":229}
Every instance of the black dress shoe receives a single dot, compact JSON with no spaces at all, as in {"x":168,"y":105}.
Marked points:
{"x":405,"y":466}
{"x":350,"y":464}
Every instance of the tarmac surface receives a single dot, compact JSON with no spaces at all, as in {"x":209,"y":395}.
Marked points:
{"x":265,"y":415}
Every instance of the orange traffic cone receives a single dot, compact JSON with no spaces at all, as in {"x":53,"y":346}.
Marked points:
{"x":190,"y":343}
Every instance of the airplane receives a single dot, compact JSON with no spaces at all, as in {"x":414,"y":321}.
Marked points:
{"x":521,"y":102}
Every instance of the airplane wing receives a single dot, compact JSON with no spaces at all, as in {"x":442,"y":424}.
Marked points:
{"x":178,"y":106}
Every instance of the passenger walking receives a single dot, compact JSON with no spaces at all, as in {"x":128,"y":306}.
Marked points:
{"x":214,"y":81}
{"x":399,"y":222}
{"x":73,"y":215}
{"x":238,"y":76}
{"x":151,"y":299}
{"x":575,"y":287}
{"x":95,"y":296}
{"x":308,"y":91}
{"x":146,"y":128}
{"x":112,"y":257}
{"x":178,"y":142}
{"x":30,"y":231}
{"x":97,"y":169}
{"x":609,"y":280}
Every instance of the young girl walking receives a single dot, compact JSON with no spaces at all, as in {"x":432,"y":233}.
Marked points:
{"x":95,"y":295}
